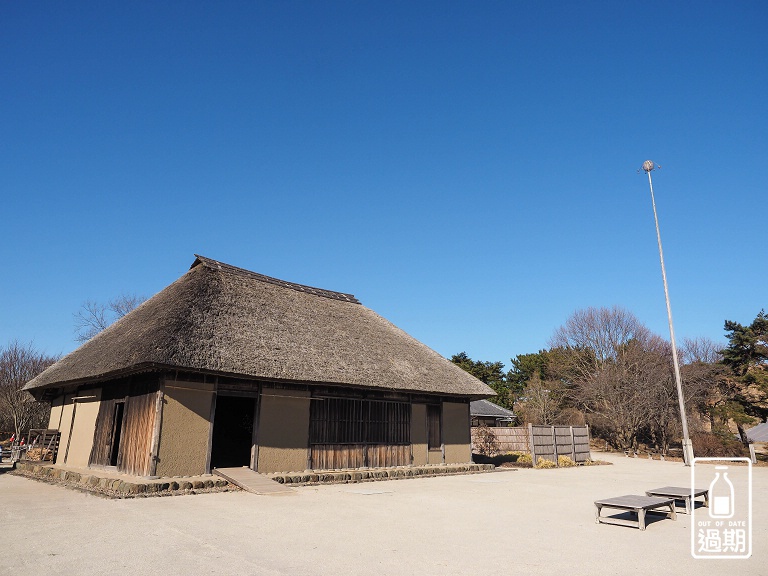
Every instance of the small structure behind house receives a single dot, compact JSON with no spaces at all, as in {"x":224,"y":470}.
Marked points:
{"x":758,"y":433}
{"x":486,"y":413}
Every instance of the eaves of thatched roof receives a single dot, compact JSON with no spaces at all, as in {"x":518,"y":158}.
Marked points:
{"x":220,"y":319}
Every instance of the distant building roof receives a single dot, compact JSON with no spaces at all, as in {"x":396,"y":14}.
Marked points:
{"x":489,"y":410}
{"x":759,"y":433}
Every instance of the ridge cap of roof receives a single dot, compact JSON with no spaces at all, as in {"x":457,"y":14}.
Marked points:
{"x":221,"y":266}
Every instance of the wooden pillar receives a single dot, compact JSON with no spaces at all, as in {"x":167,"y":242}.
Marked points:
{"x":554,"y":443}
{"x":531,"y":444}
{"x":573,"y":445}
{"x":156,"y":431}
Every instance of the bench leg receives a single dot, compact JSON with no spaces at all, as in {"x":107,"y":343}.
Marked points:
{"x":597,"y":515}
{"x":641,"y":519}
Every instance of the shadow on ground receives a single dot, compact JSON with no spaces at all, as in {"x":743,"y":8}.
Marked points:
{"x":495,"y":460}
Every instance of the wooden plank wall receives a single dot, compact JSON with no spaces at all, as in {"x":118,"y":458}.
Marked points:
{"x":355,"y":433}
{"x":139,"y":423}
{"x":341,"y":456}
{"x":386,"y":455}
{"x":102,"y":436}
{"x":139,"y":395}
{"x":337,"y":456}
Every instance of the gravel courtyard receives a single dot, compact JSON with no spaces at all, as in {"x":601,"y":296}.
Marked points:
{"x":522,"y":521}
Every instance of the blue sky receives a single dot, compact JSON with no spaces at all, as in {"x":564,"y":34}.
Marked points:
{"x":467,"y":169}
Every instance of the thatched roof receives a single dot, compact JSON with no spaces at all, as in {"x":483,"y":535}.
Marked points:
{"x":225,"y":320}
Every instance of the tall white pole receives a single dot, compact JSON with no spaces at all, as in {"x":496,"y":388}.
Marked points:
{"x":648,"y":166}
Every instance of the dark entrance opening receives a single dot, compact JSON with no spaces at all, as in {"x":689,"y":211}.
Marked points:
{"x":232,"y":432}
{"x":117,"y":430}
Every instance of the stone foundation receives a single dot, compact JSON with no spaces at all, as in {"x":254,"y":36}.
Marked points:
{"x":118,"y":488}
{"x":310,"y":477}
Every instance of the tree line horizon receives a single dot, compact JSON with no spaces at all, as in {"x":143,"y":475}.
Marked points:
{"x":603,"y":367}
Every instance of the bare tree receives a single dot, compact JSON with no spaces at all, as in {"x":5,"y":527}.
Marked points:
{"x":604,"y":331}
{"x":485,"y":441}
{"x":617,"y":373}
{"x":664,"y":423}
{"x":93,"y":317}
{"x":616,"y":396}
{"x":705,"y":379}
{"x":18,"y":365}
{"x":702,"y":350}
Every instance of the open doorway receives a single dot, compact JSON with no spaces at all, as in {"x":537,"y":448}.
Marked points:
{"x":232,"y":431}
{"x":117,"y":431}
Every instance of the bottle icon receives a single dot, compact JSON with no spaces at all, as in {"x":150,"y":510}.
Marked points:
{"x":721,"y":495}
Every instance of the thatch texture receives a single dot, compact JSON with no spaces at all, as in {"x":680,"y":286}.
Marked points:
{"x":225,"y":320}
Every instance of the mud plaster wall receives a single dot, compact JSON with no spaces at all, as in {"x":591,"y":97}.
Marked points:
{"x":185,"y":429}
{"x":81,"y":439}
{"x":419,"y":433}
{"x":66,"y":425}
{"x":456,"y":433}
{"x":57,"y":406}
{"x":283,"y":433}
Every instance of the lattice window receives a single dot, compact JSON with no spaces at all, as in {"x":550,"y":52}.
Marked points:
{"x":351,"y":421}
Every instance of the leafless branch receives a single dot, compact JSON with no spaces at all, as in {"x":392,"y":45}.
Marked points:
{"x":18,"y":365}
{"x":93,"y":317}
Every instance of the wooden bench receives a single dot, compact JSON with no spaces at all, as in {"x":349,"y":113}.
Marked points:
{"x":679,"y":493}
{"x":639,"y":505}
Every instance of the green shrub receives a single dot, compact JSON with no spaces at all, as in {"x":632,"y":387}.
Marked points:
{"x":565,"y":462}
{"x":544,"y":463}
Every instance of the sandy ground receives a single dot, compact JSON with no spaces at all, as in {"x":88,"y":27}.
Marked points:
{"x":523,"y":521}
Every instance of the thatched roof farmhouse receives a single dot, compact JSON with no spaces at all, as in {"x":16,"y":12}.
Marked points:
{"x":226,"y":367}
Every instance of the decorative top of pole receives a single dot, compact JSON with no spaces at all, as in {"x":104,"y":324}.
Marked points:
{"x":648,"y":165}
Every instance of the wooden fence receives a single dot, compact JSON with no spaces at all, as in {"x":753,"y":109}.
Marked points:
{"x":513,"y":439}
{"x":43,"y":445}
{"x":546,"y":442}
{"x":550,"y":442}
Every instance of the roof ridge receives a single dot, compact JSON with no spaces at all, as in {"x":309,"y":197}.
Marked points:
{"x":216,"y":265}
